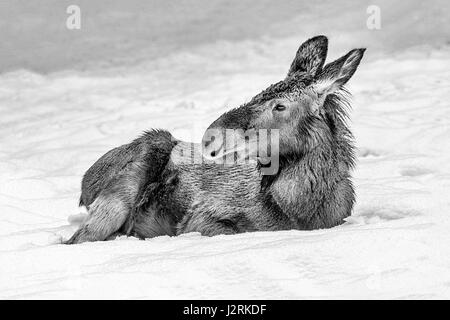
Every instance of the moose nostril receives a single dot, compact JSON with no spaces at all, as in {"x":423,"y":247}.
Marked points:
{"x":213,"y":154}
{"x":207,"y":143}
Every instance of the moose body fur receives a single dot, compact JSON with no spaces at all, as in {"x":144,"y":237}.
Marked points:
{"x":151,"y":187}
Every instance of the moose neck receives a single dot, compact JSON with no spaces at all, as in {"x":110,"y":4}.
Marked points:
{"x":313,"y":190}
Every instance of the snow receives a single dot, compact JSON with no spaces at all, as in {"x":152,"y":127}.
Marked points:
{"x":58,"y":118}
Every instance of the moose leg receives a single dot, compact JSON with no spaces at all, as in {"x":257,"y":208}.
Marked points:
{"x":113,"y":206}
{"x":112,"y":202}
{"x":210,"y":223}
{"x":105,"y":169}
{"x":106,"y":216}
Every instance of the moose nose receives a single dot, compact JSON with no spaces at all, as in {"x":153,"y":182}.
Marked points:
{"x":215,"y":152}
{"x":212,"y":151}
{"x":212,"y":142}
{"x":207,"y":143}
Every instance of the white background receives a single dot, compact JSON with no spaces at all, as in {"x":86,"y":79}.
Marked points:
{"x":68,"y":96}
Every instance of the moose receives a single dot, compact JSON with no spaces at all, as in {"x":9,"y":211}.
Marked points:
{"x":147,"y":189}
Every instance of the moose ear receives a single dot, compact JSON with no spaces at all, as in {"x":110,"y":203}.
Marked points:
{"x":335,"y":74}
{"x":310,"y":56}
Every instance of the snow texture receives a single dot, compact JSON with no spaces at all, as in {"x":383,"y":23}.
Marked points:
{"x":67,"y":97}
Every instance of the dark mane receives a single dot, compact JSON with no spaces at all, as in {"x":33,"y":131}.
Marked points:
{"x":289,"y":86}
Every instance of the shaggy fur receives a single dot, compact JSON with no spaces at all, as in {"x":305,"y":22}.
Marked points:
{"x":153,"y":186}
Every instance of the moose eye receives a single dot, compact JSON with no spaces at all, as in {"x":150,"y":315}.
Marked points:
{"x":280,"y":107}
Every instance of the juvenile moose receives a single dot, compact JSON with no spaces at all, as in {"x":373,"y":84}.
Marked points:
{"x":146,"y":189}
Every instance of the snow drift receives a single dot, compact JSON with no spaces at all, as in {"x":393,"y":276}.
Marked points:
{"x":58,"y":118}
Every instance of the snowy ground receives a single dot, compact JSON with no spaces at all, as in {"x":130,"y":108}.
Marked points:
{"x":58,"y":118}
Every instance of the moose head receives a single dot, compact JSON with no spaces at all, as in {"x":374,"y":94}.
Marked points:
{"x":305,"y":109}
